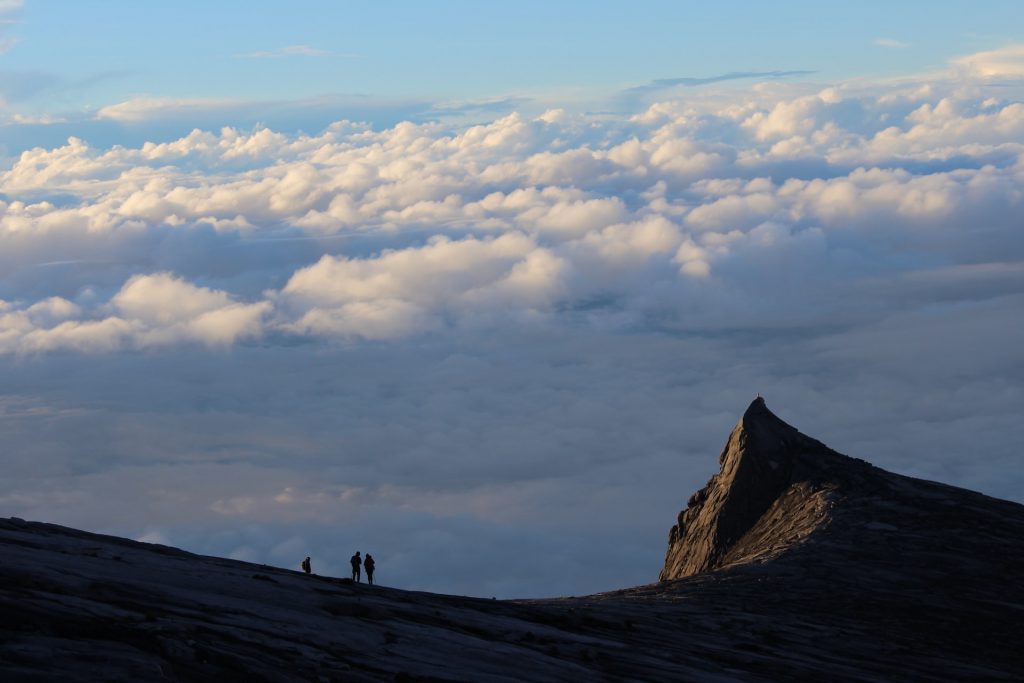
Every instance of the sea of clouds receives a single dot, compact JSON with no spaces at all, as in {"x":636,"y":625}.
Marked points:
{"x":501,"y":356}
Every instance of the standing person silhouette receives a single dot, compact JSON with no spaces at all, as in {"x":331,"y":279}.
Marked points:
{"x":368,"y":564}
{"x":306,"y":566}
{"x":356,"y":561}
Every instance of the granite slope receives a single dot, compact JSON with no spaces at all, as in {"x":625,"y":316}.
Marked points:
{"x":794,"y":563}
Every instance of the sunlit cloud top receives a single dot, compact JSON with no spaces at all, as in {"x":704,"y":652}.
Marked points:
{"x":529,"y":216}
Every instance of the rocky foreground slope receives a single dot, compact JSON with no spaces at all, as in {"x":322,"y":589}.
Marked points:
{"x":794,"y":563}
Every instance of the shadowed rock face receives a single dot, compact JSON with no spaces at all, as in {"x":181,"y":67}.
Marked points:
{"x":798,"y":564}
{"x":773,"y":489}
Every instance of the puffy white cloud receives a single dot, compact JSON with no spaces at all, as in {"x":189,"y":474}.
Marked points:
{"x":404,"y":291}
{"x":42,"y":169}
{"x":1004,"y":62}
{"x":952,"y":126}
{"x":789,"y":117}
{"x":149,"y":310}
{"x":52,"y":311}
{"x":165,"y":300}
{"x":576,"y":218}
{"x":693,"y":260}
{"x":628,"y":243}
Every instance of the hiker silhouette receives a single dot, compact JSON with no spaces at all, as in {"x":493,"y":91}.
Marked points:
{"x":356,"y":561}
{"x":306,"y":567}
{"x":368,"y":564}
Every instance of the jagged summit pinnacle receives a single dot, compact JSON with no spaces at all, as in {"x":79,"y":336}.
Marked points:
{"x":756,"y":406}
{"x":758,"y":419}
{"x":758,"y":415}
{"x":771,"y":474}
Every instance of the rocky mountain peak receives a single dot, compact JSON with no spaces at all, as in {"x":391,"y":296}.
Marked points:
{"x":769,"y":493}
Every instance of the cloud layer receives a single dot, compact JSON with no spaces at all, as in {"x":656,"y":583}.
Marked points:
{"x":492,"y":336}
{"x":531,"y":217}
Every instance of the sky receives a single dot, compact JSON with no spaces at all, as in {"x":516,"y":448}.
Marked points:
{"x":482,"y":288}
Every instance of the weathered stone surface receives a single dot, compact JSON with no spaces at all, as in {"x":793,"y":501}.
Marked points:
{"x":773,"y":489}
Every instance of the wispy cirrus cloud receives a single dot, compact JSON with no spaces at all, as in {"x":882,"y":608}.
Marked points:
{"x":490,"y":105}
{"x":692,"y":82}
{"x":148,"y":108}
{"x":289,"y":51}
{"x":315,"y":113}
{"x":892,"y":42}
{"x":636,"y":96}
{"x":9,"y":11}
{"x":37,"y":119}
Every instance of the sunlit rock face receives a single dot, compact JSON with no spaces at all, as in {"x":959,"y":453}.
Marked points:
{"x":773,"y":489}
{"x":784,"y":497}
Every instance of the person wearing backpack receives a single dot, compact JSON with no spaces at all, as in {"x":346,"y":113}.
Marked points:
{"x":306,"y":567}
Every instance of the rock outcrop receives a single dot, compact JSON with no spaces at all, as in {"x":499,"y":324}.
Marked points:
{"x":773,"y":489}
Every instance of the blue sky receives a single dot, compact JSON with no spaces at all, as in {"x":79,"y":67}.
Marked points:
{"x":301,"y":66}
{"x":466,"y":285}
{"x":96,"y":54}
